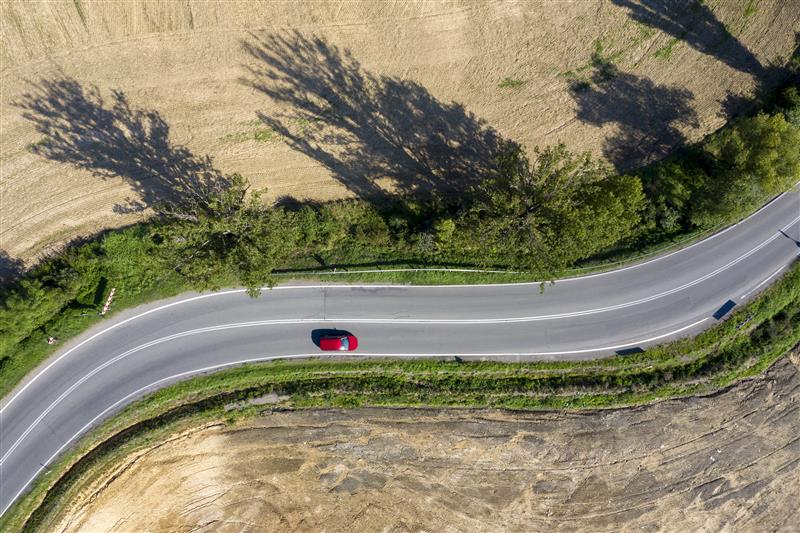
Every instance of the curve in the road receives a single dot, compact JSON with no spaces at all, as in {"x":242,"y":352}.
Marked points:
{"x":464,"y":321}
{"x":668,"y":296}
{"x":151,"y":386}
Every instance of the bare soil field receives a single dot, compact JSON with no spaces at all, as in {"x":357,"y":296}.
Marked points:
{"x":107,"y":107}
{"x":730,"y":462}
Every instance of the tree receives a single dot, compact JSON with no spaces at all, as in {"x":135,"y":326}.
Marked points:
{"x":669,"y":186}
{"x":789,"y":102}
{"x":756,"y":158}
{"x":227,"y":236}
{"x":544,"y":215}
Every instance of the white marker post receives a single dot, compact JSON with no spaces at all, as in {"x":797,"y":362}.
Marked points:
{"x":108,"y":301}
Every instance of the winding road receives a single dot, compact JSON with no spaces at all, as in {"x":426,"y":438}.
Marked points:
{"x":140,"y":350}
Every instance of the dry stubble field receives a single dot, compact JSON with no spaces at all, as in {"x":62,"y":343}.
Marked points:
{"x":332,"y":99}
{"x":104,"y":105}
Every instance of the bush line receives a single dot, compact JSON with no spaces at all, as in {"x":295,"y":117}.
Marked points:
{"x":538,"y":216}
{"x":753,"y":338}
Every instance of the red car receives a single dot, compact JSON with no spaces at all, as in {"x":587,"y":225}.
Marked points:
{"x":345,"y":343}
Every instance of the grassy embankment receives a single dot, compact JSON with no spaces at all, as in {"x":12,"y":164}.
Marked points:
{"x":745,"y":345}
{"x":62,"y":295}
{"x":691,"y":193}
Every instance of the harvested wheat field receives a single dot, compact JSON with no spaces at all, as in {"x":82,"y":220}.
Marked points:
{"x":730,"y":462}
{"x":107,"y":107}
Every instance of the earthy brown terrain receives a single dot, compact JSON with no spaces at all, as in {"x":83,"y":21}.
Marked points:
{"x":106,"y":106}
{"x":730,"y":462}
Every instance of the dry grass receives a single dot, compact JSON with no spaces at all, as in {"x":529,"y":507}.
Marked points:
{"x":186,"y":62}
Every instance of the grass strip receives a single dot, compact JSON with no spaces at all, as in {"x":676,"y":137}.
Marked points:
{"x":745,"y":345}
{"x":72,"y":320}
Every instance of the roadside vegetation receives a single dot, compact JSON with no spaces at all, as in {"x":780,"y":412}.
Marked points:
{"x":536,"y":214}
{"x":745,"y":345}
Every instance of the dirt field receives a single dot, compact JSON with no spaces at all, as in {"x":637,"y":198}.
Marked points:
{"x":725,"y":463}
{"x":105,"y":106}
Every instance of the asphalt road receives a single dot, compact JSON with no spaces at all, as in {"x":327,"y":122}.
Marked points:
{"x":140,"y":350}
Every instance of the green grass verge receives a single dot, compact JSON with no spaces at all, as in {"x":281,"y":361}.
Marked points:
{"x":69,"y":322}
{"x":751,"y":340}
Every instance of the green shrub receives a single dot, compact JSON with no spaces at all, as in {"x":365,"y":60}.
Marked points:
{"x":511,"y":83}
{"x":539,"y":214}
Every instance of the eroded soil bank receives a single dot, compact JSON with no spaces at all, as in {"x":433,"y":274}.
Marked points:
{"x":725,"y":462}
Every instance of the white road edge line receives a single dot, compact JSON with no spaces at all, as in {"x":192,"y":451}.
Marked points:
{"x":303,"y":356}
{"x":754,"y":289}
{"x":566,"y":315}
{"x":262,"y":323}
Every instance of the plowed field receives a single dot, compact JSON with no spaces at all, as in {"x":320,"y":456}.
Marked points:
{"x":729,"y":462}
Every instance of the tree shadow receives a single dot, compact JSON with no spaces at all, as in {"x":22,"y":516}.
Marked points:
{"x":112,"y":138}
{"x":734,"y":104}
{"x":11,"y":269}
{"x":694,"y":23}
{"x":649,"y":116}
{"x":366,"y":128}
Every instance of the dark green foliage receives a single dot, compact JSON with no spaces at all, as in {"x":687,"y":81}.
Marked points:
{"x":670,"y":187}
{"x":726,"y":176}
{"x":755,"y":159}
{"x":545,"y":214}
{"x":789,"y":102}
{"x":66,"y":278}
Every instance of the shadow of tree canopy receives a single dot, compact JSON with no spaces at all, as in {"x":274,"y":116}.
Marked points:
{"x":649,"y":116}
{"x":11,"y":269}
{"x":694,"y":23}
{"x":112,"y":138}
{"x":364,"y":127}
{"x":734,"y":103}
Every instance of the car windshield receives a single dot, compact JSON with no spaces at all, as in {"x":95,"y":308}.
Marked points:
{"x":345,"y":343}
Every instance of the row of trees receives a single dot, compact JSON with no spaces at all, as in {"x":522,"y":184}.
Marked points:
{"x":729,"y":174}
{"x":539,"y":214}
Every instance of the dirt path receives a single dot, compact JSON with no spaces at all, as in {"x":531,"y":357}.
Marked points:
{"x":352,"y":98}
{"x":730,"y":462}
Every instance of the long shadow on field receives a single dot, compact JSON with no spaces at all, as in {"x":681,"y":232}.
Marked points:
{"x":11,"y":269}
{"x":695,"y":24}
{"x":649,"y":117}
{"x":364,"y":127}
{"x":112,"y":138}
